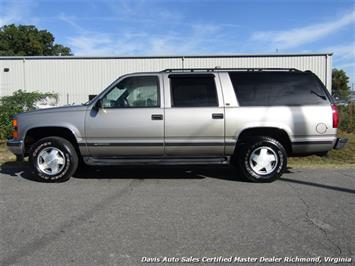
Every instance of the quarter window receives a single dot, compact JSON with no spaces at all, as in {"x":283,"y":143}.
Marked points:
{"x":277,"y":89}
{"x":140,"y":91}
{"x":193,"y":90}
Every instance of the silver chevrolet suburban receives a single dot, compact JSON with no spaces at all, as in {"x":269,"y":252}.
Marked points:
{"x":250,"y":118}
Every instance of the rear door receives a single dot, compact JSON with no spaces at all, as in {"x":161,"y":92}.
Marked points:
{"x":194,"y":115}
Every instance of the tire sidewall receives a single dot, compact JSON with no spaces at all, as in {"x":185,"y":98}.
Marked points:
{"x":66,"y":172}
{"x":281,"y":160}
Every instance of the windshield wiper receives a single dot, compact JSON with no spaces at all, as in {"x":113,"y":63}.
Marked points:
{"x":317,"y":94}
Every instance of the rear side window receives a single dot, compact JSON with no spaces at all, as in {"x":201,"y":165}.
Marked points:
{"x":277,"y":89}
{"x":193,"y":90}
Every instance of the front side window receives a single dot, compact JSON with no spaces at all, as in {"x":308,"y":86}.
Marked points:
{"x":133,"y":92}
{"x":194,"y":90}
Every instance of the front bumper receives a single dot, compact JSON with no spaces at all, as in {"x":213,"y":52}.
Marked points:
{"x":16,"y":147}
{"x":340,"y":143}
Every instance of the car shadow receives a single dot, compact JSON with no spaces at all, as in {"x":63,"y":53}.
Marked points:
{"x":18,"y":169}
{"x":159,"y":172}
{"x":228,"y":173}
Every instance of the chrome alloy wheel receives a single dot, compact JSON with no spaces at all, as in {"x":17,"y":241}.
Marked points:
{"x":51,"y":161}
{"x":263,"y":160}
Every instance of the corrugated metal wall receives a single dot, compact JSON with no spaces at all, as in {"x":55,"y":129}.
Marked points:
{"x":77,"y":77}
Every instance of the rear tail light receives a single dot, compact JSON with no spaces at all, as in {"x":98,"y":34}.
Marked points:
{"x":335,"y":116}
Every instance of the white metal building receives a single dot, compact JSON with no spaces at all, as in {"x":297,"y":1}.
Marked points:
{"x":74,"y":78}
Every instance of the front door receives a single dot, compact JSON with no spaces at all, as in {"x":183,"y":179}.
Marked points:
{"x":129,"y":121}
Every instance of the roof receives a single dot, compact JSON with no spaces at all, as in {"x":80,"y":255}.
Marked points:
{"x":163,"y":56}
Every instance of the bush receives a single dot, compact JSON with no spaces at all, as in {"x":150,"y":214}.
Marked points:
{"x":347,"y":117}
{"x":20,"y":101}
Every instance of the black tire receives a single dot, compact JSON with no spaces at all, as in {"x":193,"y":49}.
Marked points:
{"x":68,"y":158}
{"x":248,"y":166}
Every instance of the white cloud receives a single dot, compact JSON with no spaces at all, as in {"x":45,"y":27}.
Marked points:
{"x":347,"y":65}
{"x":141,"y":42}
{"x":349,"y":68}
{"x":93,"y":44}
{"x":343,"y":52}
{"x":298,"y":36}
{"x":71,"y":21}
{"x":195,"y":41}
{"x":10,"y":12}
{"x":145,"y":36}
{"x":15,"y":11}
{"x":143,"y":11}
{"x":344,"y":58}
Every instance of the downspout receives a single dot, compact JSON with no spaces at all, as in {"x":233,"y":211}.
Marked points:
{"x":24,"y":73}
{"x":328,"y":73}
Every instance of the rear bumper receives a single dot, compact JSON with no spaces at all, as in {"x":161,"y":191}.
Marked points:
{"x":340,"y":143}
{"x":16,"y":147}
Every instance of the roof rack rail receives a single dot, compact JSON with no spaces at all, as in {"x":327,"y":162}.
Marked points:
{"x":169,"y":70}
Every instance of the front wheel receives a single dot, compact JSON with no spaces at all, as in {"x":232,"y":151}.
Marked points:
{"x":263,"y":159}
{"x":53,"y":159}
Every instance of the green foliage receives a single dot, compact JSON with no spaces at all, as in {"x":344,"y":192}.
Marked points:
{"x":24,"y":40}
{"x":340,"y":84}
{"x":20,"y":101}
{"x":347,"y":117}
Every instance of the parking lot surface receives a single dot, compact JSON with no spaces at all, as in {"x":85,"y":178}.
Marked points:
{"x":121,"y":216}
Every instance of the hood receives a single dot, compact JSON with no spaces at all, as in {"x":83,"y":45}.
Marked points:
{"x":71,"y":117}
{"x":60,"y":109}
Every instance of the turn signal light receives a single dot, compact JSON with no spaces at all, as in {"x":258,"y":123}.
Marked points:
{"x":14,"y":132}
{"x":14,"y":122}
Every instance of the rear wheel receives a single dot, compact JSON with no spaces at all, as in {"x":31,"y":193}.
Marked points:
{"x":53,"y":159}
{"x":262,"y":159}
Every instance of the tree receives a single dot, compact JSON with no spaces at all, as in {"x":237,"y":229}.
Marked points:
{"x":20,"y":101}
{"x":340,"y":87}
{"x":28,"y":40}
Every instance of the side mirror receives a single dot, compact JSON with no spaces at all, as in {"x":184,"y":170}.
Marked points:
{"x":92,"y":96}
{"x":98,"y":105}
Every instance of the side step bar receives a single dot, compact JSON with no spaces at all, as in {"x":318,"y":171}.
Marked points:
{"x":156,"y":161}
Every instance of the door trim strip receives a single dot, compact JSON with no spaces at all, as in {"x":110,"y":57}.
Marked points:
{"x":125,"y":144}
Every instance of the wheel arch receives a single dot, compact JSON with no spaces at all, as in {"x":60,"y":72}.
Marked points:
{"x":277,"y":133}
{"x":34,"y":134}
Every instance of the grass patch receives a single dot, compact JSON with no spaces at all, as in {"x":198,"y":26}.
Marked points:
{"x":5,"y":155}
{"x":343,"y":158}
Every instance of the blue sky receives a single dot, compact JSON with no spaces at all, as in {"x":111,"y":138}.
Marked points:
{"x":181,"y":27}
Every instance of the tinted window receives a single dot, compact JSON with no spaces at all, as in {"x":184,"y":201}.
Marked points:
{"x":277,"y":88}
{"x":133,"y":92}
{"x":193,"y":90}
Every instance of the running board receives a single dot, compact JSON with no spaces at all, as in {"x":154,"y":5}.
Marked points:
{"x":156,"y":161}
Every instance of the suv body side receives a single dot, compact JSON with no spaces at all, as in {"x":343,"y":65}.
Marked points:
{"x":182,"y":127}
{"x":251,"y":119}
{"x":191,"y":131}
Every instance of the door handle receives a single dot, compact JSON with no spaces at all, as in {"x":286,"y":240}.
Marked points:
{"x":157,"y":117}
{"x":217,"y":116}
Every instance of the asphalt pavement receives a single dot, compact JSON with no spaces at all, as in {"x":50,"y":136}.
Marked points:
{"x":125,"y":216}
